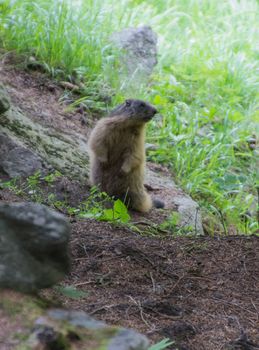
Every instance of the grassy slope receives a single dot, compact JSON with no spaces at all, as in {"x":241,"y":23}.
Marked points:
{"x":205,"y":85}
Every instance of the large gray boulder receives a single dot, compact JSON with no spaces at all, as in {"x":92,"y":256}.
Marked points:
{"x":138,"y":51}
{"x":65,"y":152}
{"x":33,"y":246}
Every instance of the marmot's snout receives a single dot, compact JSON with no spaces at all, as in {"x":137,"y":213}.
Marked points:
{"x":152,"y":111}
{"x":155,"y":111}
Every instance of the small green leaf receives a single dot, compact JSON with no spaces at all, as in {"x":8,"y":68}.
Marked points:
{"x":121,"y":210}
{"x":119,"y":213}
{"x":163,"y":344}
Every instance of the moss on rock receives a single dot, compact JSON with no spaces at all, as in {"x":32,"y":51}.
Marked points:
{"x":4,"y":100}
{"x":26,"y":322}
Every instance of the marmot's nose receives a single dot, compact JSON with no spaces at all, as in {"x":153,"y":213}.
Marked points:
{"x":154,"y":110}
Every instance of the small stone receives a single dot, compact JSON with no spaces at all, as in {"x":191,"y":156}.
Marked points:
{"x":127,"y":339}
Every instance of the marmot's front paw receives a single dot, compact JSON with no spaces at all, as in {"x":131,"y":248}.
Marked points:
{"x":125,"y":169}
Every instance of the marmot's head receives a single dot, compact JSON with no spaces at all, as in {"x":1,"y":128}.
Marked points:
{"x":135,"y":110}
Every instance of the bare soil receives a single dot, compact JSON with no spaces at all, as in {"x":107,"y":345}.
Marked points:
{"x":201,"y":292}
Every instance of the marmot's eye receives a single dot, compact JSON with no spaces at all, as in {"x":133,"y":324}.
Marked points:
{"x":127,"y":102}
{"x":142,"y":105}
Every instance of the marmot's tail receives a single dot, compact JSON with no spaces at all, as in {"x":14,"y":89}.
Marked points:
{"x":157,"y":203}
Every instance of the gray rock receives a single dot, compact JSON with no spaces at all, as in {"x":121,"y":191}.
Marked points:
{"x":64,"y":152}
{"x":76,"y":318}
{"x":127,"y":339}
{"x":33,"y":246}
{"x":138,"y":51}
{"x":4,"y":100}
{"x":51,"y":327}
{"x":190,"y":216}
{"x":16,"y":160}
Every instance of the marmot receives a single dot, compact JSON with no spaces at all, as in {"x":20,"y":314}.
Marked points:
{"x":117,"y":154}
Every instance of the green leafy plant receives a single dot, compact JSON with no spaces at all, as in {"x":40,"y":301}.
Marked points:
{"x":171,"y":223}
{"x":163,"y":344}
{"x":51,"y":177}
{"x":119,"y":212}
{"x":96,"y":207}
{"x":29,"y":186}
{"x":12,"y":185}
{"x":32,"y":186}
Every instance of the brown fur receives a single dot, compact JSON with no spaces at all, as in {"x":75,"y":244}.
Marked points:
{"x":117,"y":153}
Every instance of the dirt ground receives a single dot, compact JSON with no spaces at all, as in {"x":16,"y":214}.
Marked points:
{"x":201,"y":292}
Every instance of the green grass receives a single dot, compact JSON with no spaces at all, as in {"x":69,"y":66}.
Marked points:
{"x":205,"y":85}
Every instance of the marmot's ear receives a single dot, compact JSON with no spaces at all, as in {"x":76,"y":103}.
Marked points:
{"x":127,"y":102}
